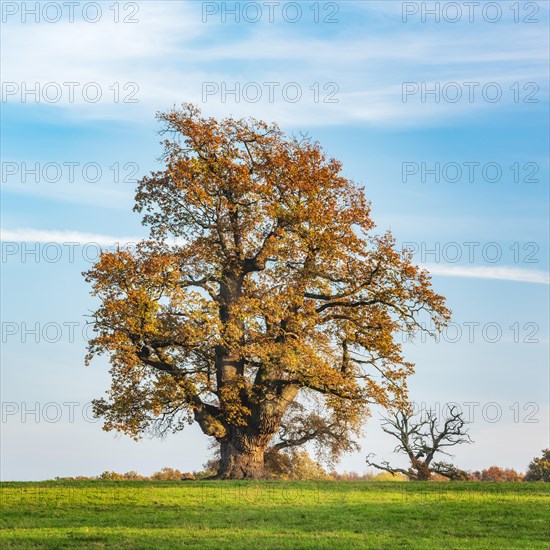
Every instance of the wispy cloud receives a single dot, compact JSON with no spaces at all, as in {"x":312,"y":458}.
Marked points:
{"x":502,"y":273}
{"x":170,"y":53}
{"x":48,"y":236}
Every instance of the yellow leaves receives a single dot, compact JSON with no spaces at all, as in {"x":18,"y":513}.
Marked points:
{"x":231,"y":399}
{"x":275,"y":267}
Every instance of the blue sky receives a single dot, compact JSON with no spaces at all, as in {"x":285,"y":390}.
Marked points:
{"x":497,"y":285}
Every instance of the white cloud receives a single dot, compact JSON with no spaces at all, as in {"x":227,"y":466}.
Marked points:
{"x":74,"y":237}
{"x":477,"y":272}
{"x":48,"y":236}
{"x":170,"y":53}
{"x":502,"y":273}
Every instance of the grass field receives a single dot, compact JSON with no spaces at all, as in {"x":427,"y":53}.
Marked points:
{"x":250,"y":515}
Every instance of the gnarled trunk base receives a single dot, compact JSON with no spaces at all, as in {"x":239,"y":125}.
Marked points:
{"x":242,"y":457}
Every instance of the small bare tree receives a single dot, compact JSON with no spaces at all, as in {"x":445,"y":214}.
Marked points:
{"x":421,"y":436}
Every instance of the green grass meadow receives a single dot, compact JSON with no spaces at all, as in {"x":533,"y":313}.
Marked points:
{"x":285,"y":515}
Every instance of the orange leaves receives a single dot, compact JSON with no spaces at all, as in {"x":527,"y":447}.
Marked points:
{"x":276,"y":283}
{"x":235,"y":412}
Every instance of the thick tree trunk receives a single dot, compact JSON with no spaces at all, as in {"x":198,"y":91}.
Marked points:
{"x":423,"y":472}
{"x":242,"y":456}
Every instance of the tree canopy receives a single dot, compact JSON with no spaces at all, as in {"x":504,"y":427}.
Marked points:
{"x":539,"y":468}
{"x":262,"y":286}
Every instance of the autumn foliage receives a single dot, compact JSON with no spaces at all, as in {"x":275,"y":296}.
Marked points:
{"x":262,"y":288}
{"x":539,"y":468}
{"x":495,"y":473}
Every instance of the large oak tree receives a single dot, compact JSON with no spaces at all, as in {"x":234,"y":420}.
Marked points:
{"x":261,"y":285}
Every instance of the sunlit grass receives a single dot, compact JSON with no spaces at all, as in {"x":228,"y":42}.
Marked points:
{"x":209,"y":514}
